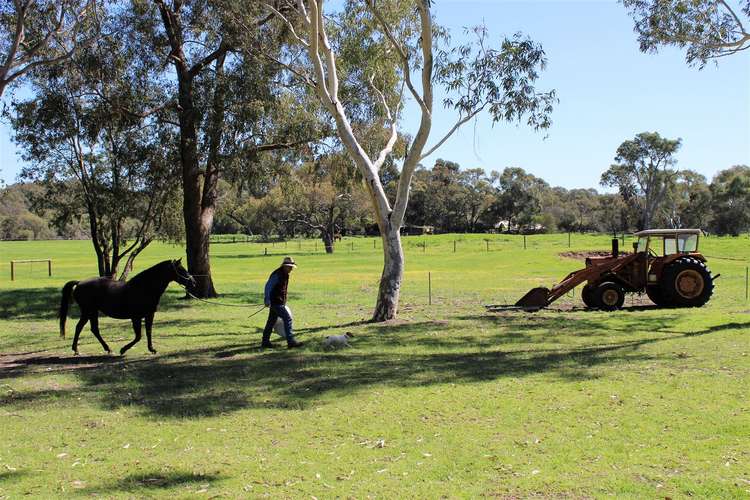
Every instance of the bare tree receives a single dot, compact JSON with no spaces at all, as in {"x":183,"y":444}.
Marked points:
{"x":38,"y":32}
{"x":500,"y":81}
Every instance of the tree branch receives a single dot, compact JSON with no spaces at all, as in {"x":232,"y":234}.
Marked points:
{"x":456,"y":126}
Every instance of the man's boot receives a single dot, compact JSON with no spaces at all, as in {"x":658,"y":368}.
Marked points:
{"x":293,"y":343}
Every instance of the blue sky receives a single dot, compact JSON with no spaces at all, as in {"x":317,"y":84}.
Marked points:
{"x":608,"y":90}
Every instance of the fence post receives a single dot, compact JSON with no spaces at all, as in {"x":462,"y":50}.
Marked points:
{"x":12,"y":271}
{"x":373,"y":243}
{"x":488,"y":244}
{"x":747,"y":278}
{"x":49,"y":267}
{"x":265,"y":251}
{"x":568,"y":239}
{"x":454,"y":246}
{"x":429,"y":287}
{"x":524,"y":242}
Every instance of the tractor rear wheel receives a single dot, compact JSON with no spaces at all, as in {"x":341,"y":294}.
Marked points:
{"x":687,"y":282}
{"x":656,"y":295}
{"x":587,"y":295}
{"x":609,"y":296}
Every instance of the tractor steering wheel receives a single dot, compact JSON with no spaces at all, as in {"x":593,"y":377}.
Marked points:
{"x":652,"y":253}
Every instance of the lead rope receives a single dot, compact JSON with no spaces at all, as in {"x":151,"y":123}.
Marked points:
{"x":217,"y":303}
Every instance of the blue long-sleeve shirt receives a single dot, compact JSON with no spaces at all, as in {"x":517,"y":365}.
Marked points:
{"x":270,"y":284}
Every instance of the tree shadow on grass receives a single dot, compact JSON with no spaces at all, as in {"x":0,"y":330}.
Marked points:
{"x":29,"y":303}
{"x":44,"y":302}
{"x":197,"y":383}
{"x":152,"y":482}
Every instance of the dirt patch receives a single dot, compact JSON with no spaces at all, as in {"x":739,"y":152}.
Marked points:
{"x":584,"y":255}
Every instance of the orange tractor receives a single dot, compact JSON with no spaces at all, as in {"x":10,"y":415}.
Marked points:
{"x":665,"y":264}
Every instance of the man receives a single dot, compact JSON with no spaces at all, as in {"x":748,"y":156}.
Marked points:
{"x":275,"y":300}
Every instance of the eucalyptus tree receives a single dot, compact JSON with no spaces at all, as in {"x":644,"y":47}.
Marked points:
{"x":35,"y":33}
{"x":406,"y":52}
{"x":730,"y":191}
{"x":224,"y":102}
{"x":706,"y":29}
{"x":643,"y":173}
{"x":89,"y":137}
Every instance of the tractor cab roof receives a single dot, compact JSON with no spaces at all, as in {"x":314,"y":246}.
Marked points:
{"x":667,"y":232}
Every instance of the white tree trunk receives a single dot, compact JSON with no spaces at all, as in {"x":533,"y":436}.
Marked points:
{"x":326,"y":84}
{"x":393,"y":273}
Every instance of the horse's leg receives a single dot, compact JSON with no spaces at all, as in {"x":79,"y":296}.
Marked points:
{"x":149,"y":322}
{"x":79,"y":326}
{"x":137,"y":330}
{"x":95,"y":331}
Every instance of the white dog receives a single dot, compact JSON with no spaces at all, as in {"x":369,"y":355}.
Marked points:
{"x":337,"y":341}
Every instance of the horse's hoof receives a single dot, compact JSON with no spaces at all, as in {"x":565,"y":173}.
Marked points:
{"x":109,"y":352}
{"x":122,"y":352}
{"x":152,"y":351}
{"x":75,"y":353}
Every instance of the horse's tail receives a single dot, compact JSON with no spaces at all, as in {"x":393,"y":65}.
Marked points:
{"x":67,"y":291}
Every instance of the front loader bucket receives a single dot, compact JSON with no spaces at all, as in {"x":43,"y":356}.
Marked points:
{"x":535,"y":299}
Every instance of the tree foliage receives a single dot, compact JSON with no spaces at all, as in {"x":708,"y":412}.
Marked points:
{"x":87,"y":139}
{"x":643,"y":173}
{"x":706,"y":29}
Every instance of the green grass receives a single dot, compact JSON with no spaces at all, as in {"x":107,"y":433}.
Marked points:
{"x":449,"y":400}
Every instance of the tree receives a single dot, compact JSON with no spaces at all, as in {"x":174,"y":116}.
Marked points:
{"x":731,"y":200}
{"x":223,"y":90}
{"x":585,"y":203}
{"x":320,"y":201}
{"x":519,"y":197}
{"x":707,"y":29}
{"x":687,"y":201}
{"x":478,"y":195}
{"x":643,"y":172}
{"x":36,"y":33}
{"x":479,"y":78}
{"x":88,"y":139}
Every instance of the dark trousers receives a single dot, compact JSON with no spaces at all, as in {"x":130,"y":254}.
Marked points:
{"x":276,"y":311}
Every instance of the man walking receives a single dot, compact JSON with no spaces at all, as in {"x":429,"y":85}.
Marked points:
{"x":275,"y":300}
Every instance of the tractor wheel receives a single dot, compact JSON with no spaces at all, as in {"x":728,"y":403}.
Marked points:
{"x":609,"y":296}
{"x":656,"y":295}
{"x":687,"y":282}
{"x":587,"y":295}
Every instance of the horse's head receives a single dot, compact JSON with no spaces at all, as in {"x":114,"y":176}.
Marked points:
{"x":181,"y":275}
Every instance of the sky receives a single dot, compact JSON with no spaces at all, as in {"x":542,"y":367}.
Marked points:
{"x":608,"y":90}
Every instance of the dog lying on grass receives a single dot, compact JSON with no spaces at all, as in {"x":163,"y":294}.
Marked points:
{"x":337,"y":341}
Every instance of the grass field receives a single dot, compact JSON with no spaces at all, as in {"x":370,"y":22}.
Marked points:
{"x":446,"y":401}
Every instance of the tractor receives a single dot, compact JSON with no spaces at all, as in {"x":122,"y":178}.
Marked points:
{"x":665,"y":264}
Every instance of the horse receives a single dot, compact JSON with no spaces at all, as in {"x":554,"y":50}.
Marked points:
{"x":135,"y":300}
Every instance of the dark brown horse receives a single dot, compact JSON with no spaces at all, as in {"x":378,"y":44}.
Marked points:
{"x":135,"y":300}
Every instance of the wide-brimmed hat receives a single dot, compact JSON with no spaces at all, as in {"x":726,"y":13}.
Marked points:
{"x":288,"y":261}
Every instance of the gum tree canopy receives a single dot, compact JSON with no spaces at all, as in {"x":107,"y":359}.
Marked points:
{"x":407,"y":55}
{"x":707,"y":29}
{"x":36,"y":33}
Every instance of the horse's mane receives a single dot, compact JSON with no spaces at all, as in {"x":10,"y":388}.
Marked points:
{"x":151,"y":274}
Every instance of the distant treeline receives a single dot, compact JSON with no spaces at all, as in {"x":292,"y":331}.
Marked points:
{"x":444,"y":198}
